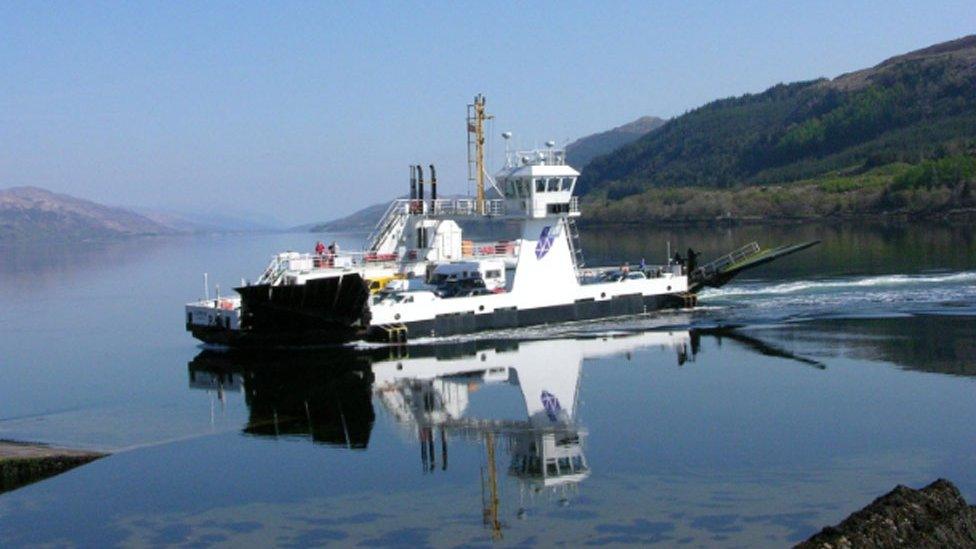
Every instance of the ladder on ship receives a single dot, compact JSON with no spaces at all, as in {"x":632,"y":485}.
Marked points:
{"x":391,"y":222}
{"x":575,"y":250}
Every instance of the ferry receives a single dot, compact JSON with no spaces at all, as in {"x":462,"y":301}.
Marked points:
{"x":418,"y":276}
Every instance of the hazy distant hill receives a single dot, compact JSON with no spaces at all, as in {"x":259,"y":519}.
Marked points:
{"x":579,"y":153}
{"x":361,"y":220}
{"x":30,"y":213}
{"x":209,"y":222}
{"x":896,"y":137}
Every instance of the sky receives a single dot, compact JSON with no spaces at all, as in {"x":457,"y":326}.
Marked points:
{"x":306,"y":111}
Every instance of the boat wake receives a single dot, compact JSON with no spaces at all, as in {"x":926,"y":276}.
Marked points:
{"x":756,"y":289}
{"x":887,"y":295}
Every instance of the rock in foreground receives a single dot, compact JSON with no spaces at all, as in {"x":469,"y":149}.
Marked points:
{"x":935,"y":516}
{"x":24,"y":463}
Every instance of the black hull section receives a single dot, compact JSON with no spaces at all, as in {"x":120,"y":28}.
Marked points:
{"x":251,"y":339}
{"x":322,"y":303}
{"x":321,"y":311}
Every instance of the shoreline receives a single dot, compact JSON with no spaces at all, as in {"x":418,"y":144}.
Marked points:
{"x":952,"y":217}
{"x":23,"y":463}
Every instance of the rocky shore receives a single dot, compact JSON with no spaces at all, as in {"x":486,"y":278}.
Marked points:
{"x":935,"y":516}
{"x":23,"y":463}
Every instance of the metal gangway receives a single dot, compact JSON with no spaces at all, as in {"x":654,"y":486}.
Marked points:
{"x":392,"y":222}
{"x":395,"y":218}
{"x":729,"y":259}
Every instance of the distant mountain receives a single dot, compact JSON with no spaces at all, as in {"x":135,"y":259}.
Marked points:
{"x":900,"y":136}
{"x":359,"y":221}
{"x":30,"y":213}
{"x":579,"y":153}
{"x":209,"y":222}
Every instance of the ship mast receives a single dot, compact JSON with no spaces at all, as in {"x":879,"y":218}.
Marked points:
{"x":476,"y":149}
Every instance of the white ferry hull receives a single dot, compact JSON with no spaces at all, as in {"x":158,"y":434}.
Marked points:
{"x":450,"y":324}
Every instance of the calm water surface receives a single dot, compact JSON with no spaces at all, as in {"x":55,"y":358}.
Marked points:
{"x":789,"y":399}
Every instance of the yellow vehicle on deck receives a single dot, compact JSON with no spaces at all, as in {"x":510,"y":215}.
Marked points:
{"x":376,"y":284}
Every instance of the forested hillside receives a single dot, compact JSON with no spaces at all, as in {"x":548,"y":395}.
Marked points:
{"x":900,"y":136}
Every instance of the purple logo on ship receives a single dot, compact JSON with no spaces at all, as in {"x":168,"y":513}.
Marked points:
{"x":545,"y":242}
{"x":551,"y":405}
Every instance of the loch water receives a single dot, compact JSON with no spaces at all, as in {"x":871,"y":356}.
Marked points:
{"x":787,"y":400}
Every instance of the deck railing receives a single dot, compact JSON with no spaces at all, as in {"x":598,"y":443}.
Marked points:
{"x":730,"y":258}
{"x":574,"y":205}
{"x":309,"y":262}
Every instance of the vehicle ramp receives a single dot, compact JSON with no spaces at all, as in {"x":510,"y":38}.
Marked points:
{"x":719,"y":272}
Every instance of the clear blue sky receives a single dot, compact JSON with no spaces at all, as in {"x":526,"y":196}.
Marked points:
{"x":306,"y":111}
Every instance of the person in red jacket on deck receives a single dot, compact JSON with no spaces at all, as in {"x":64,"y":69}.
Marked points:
{"x":319,"y":248}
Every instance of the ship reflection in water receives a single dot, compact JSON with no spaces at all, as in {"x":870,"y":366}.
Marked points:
{"x":428,"y":390}
{"x":294,"y":395}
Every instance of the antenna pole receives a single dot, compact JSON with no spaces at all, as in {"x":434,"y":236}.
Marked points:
{"x":476,"y":130}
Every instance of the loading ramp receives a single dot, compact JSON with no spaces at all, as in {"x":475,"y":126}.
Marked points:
{"x":720,"y":271}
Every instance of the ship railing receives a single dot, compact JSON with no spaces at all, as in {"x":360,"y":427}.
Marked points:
{"x":574,"y":207}
{"x":730,"y":258}
{"x":447,"y":206}
{"x":272,"y":273}
{"x":501,"y":248}
{"x":309,"y":262}
{"x":495,"y":207}
{"x":533,"y":157}
{"x":396,"y":211}
{"x":442,"y":207}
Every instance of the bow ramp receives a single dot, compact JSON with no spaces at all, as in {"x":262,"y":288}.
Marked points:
{"x":719,"y":272}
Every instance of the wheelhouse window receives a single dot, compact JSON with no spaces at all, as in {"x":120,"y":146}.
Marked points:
{"x":567,"y":184}
{"x":540,"y":185}
{"x":553,"y":185}
{"x":510,"y":188}
{"x":522,"y":187}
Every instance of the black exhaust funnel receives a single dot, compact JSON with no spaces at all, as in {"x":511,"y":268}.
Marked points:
{"x":433,"y":183}
{"x":420,"y":183}
{"x":413,"y":183}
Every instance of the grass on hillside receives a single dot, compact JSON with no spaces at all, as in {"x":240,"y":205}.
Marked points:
{"x":929,"y":187}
